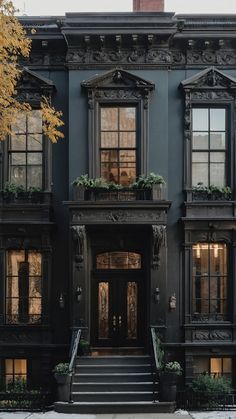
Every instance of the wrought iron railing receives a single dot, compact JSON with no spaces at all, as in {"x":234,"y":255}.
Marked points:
{"x":74,"y":348}
{"x":190,"y":400}
{"x":155,"y":344}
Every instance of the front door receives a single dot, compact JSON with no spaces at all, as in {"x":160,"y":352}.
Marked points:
{"x":118,"y":302}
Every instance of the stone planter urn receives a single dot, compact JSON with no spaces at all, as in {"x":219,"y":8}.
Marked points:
{"x":158,"y":191}
{"x":78,"y":193}
{"x":168,"y":386}
{"x":63,"y":386}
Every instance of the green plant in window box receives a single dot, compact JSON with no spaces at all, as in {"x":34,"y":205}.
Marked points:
{"x":211,"y":193}
{"x":152,"y":182}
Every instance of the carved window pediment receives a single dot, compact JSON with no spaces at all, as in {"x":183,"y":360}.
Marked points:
{"x":118,"y":79}
{"x":209,"y":78}
{"x":32,"y":86}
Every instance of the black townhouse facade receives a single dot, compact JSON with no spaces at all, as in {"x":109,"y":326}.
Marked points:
{"x":140,"y":93}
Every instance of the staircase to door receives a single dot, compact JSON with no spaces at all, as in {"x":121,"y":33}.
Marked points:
{"x":110,"y":384}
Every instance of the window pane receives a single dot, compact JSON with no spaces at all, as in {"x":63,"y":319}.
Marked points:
{"x":35,"y":142}
{"x":218,"y":262}
{"x":200,"y":173}
{"x":109,"y":139}
{"x":217,"y":174}
{"x":34,"y":158}
{"x":34,"y":176}
{"x":217,"y":157}
{"x":200,"y":140}
{"x":227,"y":365}
{"x":127,"y":139}
{"x":198,"y":157}
{"x":15,"y":257}
{"x":109,"y":119}
{"x":217,"y":140}
{"x":200,"y":365}
{"x":9,"y":366}
{"x":18,"y":158}
{"x":217,"y":119}
{"x":118,"y":260}
{"x":12,"y":287}
{"x":19,"y":126}
{"x":127,"y":175}
{"x":216,"y":366}
{"x":103,"y":310}
{"x":109,"y":172}
{"x":18,"y":142}
{"x":127,"y":119}
{"x":109,"y":155}
{"x":127,"y":156}
{"x":200,"y":119}
{"x":35,"y":121}
{"x":35,"y":261}
{"x":20,"y":366}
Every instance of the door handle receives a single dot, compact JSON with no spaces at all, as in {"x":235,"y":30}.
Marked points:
{"x":120,"y":321}
{"x":114,"y":323}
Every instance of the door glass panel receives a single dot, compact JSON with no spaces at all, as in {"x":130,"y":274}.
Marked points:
{"x":132,"y":300}
{"x":103,"y":310}
{"x":118,"y":260}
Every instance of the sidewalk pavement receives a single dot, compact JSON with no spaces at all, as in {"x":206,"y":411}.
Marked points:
{"x":176,"y":415}
{"x":54,"y":415}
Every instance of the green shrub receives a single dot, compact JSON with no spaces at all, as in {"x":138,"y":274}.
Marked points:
{"x":206,"y":383}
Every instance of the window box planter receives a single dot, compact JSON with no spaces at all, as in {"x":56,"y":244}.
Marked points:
{"x":158,"y":192}
{"x":79,"y":193}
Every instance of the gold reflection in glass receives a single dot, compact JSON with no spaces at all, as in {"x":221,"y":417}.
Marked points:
{"x":209,"y":278}
{"x":15,"y":368}
{"x":118,"y":144}
{"x":118,"y":260}
{"x":24,"y":287}
{"x":103,"y":310}
{"x":132,"y":303}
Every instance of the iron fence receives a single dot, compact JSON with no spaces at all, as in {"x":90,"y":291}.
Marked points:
{"x":190,"y":400}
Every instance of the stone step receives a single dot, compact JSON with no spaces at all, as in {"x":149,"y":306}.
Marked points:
{"x":115,"y":407}
{"x":113,"y":360}
{"x":112,"y":387}
{"x":121,"y":396}
{"x":111,"y":368}
{"x":112,"y":377}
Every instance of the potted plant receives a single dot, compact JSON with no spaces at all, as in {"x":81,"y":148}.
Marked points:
{"x":153,"y":182}
{"x":217,"y":193}
{"x":200,"y":192}
{"x":80,"y":184}
{"x":35,"y":194}
{"x":62,"y":376}
{"x":169,"y":375}
{"x":84,"y":347}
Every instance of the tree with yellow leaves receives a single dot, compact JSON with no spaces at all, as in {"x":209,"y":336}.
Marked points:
{"x":14,"y":45}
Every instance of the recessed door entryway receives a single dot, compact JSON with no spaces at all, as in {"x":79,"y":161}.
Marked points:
{"x":118,"y":300}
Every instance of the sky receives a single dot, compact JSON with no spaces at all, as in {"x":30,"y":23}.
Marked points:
{"x":59,"y":7}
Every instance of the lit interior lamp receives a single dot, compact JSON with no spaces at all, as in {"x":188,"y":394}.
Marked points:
{"x":198,"y":251}
{"x":157,"y":295}
{"x":78,"y":294}
{"x":216,"y":250}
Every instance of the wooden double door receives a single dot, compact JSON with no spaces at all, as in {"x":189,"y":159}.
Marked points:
{"x":118,"y":309}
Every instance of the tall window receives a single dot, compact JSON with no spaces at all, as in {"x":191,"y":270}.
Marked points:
{"x":15,"y":370}
{"x":25,"y":151}
{"x":118,"y":148}
{"x":209,"y":146}
{"x":24,"y":286}
{"x":209,"y":278}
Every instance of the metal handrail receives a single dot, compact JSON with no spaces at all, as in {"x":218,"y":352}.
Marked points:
{"x":74,"y":345}
{"x":154,"y":348}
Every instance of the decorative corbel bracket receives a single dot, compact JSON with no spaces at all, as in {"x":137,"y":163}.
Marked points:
{"x":159,"y":240}
{"x":78,"y":236}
